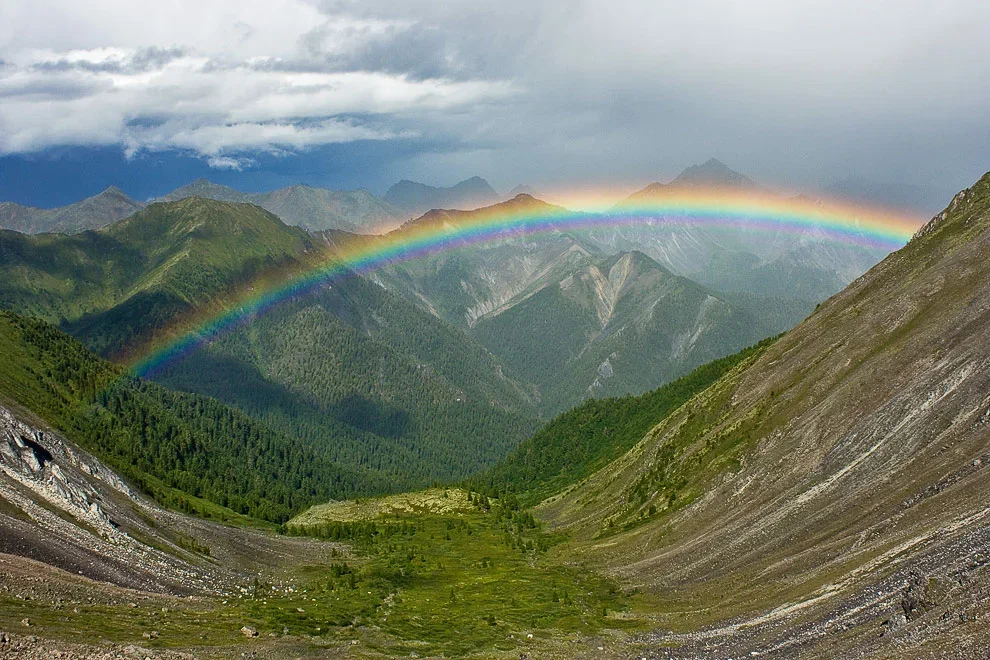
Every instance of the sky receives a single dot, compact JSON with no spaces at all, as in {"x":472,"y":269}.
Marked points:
{"x":553,"y":94}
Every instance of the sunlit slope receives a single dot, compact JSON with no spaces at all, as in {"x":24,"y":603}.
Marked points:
{"x":113,"y":286}
{"x":579,"y":442}
{"x":853,"y":447}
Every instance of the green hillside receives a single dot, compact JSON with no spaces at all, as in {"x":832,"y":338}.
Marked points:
{"x":183,"y":449}
{"x":113,"y":287}
{"x":586,"y":438}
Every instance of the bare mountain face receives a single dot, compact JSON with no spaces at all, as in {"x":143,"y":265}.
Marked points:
{"x":617,"y":325}
{"x":415,"y":198}
{"x":772,"y":262}
{"x":829,"y":496}
{"x":94,"y":212}
{"x":309,"y":207}
{"x":464,"y":285}
{"x":605,"y":324}
{"x":65,"y":508}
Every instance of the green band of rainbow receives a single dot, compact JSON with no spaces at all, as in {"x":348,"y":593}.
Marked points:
{"x":847,"y":224}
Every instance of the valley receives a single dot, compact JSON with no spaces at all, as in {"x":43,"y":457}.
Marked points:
{"x":499,"y":331}
{"x":817,"y":492}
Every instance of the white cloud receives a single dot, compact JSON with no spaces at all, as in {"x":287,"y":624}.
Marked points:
{"x":524,"y":90}
{"x":198,"y":80}
{"x":228,"y":163}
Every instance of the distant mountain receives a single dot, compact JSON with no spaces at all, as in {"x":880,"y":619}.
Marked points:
{"x":462,"y":286}
{"x":209,"y":190}
{"x":924,"y":201}
{"x":309,"y":207}
{"x":713,"y":173}
{"x":93,"y":212}
{"x":604,"y":324}
{"x":773,"y":262}
{"x":416,"y":198}
{"x":618,"y":325}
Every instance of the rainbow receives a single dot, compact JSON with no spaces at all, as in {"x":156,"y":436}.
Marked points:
{"x":526,"y":217}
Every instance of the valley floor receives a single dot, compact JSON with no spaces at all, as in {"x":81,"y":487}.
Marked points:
{"x":460,"y":580}
{"x":89,"y":568}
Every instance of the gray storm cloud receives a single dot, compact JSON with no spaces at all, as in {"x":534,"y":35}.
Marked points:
{"x":542,"y":92}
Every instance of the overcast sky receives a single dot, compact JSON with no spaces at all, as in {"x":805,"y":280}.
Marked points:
{"x":578,"y":93}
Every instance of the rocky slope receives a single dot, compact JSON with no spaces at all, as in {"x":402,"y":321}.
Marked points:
{"x":62,"y":507}
{"x":610,"y":326}
{"x":829,"y":497}
{"x":94,"y":212}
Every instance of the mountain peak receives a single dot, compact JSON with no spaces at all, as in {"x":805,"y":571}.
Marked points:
{"x":521,"y":202}
{"x":713,"y":172}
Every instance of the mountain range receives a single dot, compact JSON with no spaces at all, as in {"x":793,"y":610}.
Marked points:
{"x":772,"y":262}
{"x":613,"y":322}
{"x":820,"y":493}
{"x":304,"y":369}
{"x":622,"y":314}
{"x":313,"y":209}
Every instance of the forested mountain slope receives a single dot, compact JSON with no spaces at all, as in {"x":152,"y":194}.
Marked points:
{"x":181,"y":448}
{"x":369,"y":379}
{"x":837,"y":483}
{"x":115,"y":286}
{"x":586,"y":438}
{"x":362,"y":376}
